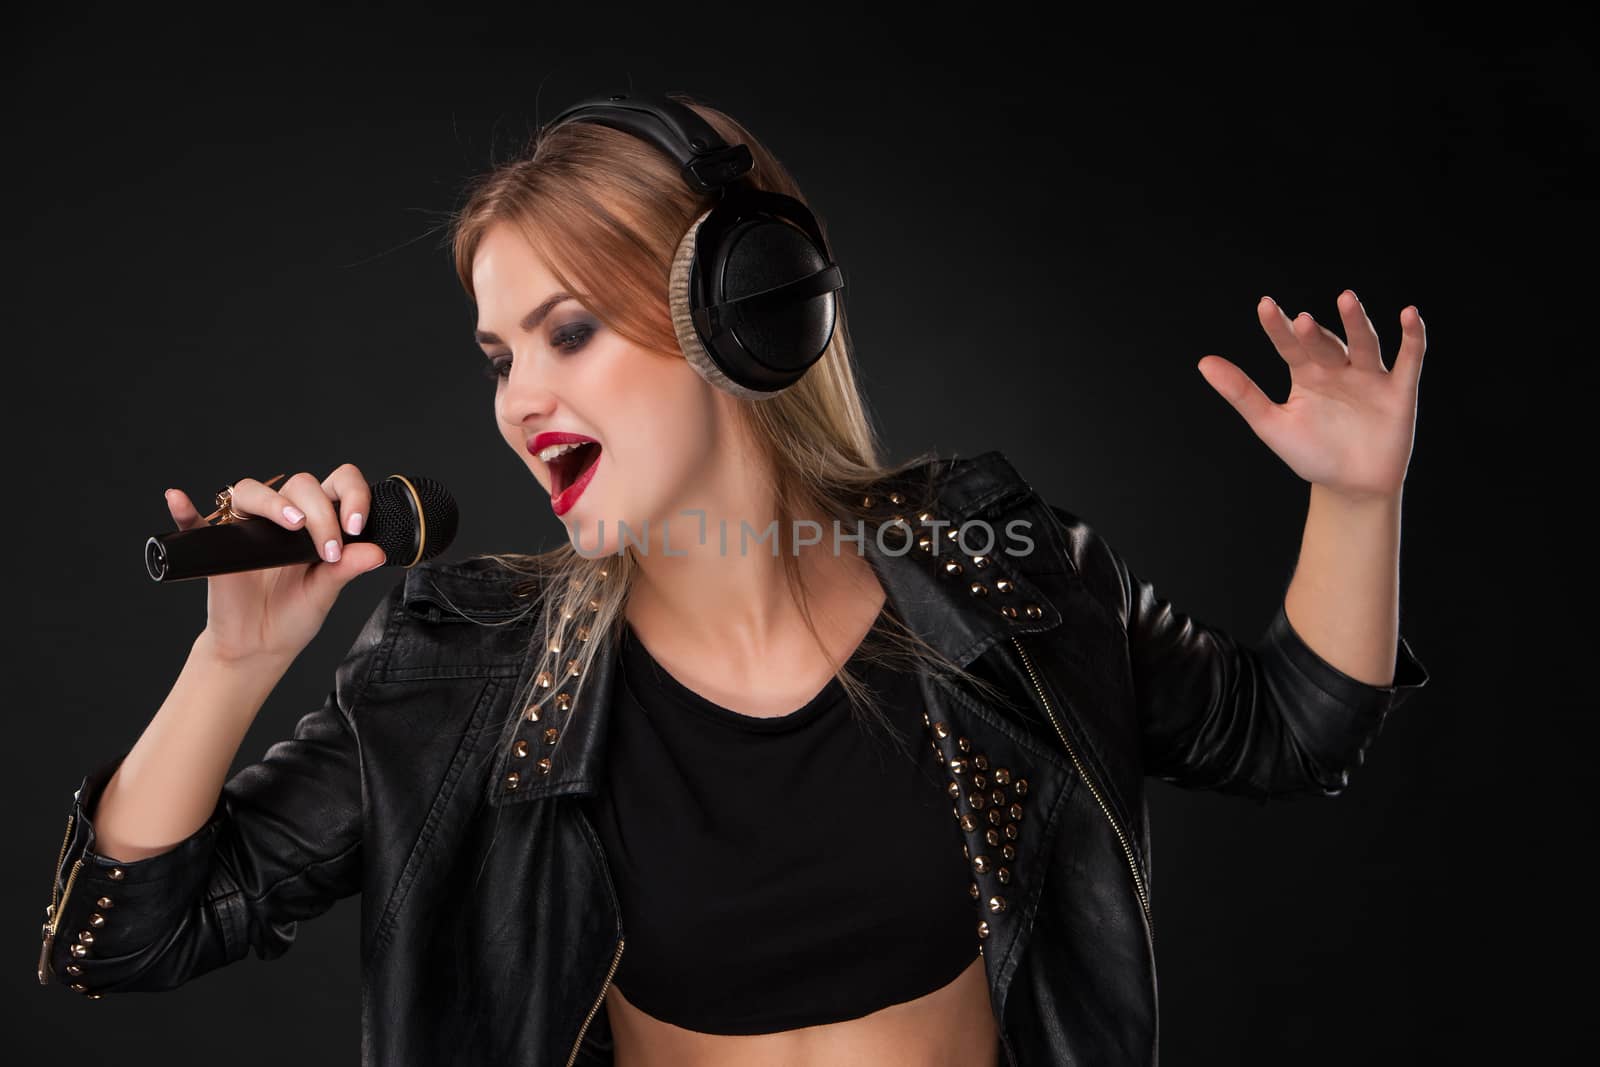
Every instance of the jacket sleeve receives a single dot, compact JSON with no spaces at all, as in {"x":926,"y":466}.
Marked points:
{"x":1262,"y":719}
{"x":282,"y":844}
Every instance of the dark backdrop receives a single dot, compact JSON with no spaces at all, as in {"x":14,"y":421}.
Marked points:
{"x":225,"y":259}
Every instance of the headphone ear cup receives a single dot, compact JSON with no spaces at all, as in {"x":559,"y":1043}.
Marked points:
{"x":694,"y":350}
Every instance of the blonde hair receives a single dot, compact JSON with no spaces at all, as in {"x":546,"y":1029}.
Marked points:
{"x":605,"y":211}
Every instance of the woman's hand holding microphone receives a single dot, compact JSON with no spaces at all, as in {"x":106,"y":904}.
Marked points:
{"x":274,"y":613}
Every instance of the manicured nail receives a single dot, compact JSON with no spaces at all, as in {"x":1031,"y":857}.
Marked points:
{"x":353,"y":524}
{"x":331,"y":550}
{"x":293,"y":514}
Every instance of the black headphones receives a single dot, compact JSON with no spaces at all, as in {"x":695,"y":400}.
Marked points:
{"x":752,"y":290}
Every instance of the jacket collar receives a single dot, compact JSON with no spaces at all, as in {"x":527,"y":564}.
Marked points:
{"x":962,"y":613}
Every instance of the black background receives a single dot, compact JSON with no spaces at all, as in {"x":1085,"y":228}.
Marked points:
{"x":226,"y":259}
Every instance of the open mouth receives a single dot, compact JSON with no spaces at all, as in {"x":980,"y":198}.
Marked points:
{"x":568,"y":467}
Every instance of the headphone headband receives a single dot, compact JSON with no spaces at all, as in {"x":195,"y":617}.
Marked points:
{"x":706,"y":161}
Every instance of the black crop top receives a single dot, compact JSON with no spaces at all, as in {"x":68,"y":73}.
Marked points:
{"x":782,"y":872}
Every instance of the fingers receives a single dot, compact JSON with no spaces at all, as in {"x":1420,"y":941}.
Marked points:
{"x":183,"y":511}
{"x":1413,"y":343}
{"x":348,"y":486}
{"x":304,"y":502}
{"x":321,"y":519}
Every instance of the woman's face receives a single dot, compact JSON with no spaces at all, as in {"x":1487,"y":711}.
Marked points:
{"x":658,"y":424}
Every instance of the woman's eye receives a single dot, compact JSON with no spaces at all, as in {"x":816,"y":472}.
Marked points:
{"x":569,"y":339}
{"x":573,"y":337}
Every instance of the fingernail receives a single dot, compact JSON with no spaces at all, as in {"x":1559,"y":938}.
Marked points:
{"x":354,"y":522}
{"x":293,"y":514}
{"x":331,"y":550}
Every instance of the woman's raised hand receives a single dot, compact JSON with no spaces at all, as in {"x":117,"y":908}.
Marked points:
{"x":276,"y":611}
{"x":1349,"y":422}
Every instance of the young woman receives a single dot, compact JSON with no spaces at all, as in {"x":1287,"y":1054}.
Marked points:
{"x":660,"y":796}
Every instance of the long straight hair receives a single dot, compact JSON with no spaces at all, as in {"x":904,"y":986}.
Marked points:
{"x":605,"y":211}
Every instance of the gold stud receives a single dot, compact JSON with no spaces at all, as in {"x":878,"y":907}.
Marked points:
{"x":958,"y":766}
{"x":1015,"y":811}
{"x":543,"y":681}
{"x":1004,"y":874}
{"x":952,"y":568}
{"x":520,"y":749}
{"x":563,"y":701}
{"x":1012,"y":833}
{"x":544,"y":765}
{"x":983,"y":929}
{"x":86,"y":936}
{"x":968,"y":822}
{"x":1021,"y":788}
{"x":955,"y":811}
{"x":980,"y":561}
{"x":866,"y":501}
{"x":941,"y":730}
{"x":1008,"y":852}
{"x":79,"y":987}
{"x":925,"y":720}
{"x":97,"y":996}
{"x":972,"y":890}
{"x":992,"y":836}
{"x":953,"y":535}
{"x":925,"y":543}
{"x":594,"y":604}
{"x":583,"y":634}
{"x":1002,"y":775}
{"x":925,"y":517}
{"x":977,"y":800}
{"x":996,"y":816}
{"x":980,"y":781}
{"x":115,"y":874}
{"x":572,"y":668}
{"x":97,"y":920}
{"x":532,"y":714}
{"x":555,"y":644}
{"x":997,"y":904}
{"x":103,"y":902}
{"x":896,"y":499}
{"x":954,"y":789}
{"x":1009,"y":612}
{"x":980,"y":864}
{"x":964,"y":744}
{"x":981,"y":762}
{"x":965,"y":852}
{"x":1032,"y":611}
{"x":74,"y":970}
{"x":80,"y":951}
{"x":550,"y":735}
{"x":997,"y":796}
{"x":512,"y":780}
{"x":1004,"y":585}
{"x":979,"y":589}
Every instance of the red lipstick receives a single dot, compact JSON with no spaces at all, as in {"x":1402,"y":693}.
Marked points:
{"x":570,"y":472}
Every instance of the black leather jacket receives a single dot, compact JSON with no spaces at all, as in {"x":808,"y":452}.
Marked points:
{"x":489,"y":926}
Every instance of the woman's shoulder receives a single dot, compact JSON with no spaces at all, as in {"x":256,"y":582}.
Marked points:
{"x":481,"y":586}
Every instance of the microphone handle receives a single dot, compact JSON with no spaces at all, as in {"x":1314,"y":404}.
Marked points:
{"x":250,"y":544}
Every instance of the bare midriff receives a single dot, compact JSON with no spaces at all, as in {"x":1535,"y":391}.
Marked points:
{"x":953,"y":1026}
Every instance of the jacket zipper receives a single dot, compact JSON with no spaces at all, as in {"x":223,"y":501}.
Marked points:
{"x":616,"y":958}
{"x":52,"y":912}
{"x":1133,"y":868}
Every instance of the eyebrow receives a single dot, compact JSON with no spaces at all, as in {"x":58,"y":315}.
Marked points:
{"x":530,"y":321}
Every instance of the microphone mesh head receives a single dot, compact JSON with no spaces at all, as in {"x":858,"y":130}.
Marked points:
{"x":397,"y":526}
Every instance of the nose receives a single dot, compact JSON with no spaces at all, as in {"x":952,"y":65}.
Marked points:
{"x":528,"y":392}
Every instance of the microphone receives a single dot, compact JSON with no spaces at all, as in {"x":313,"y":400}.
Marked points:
{"x":412,"y":519}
